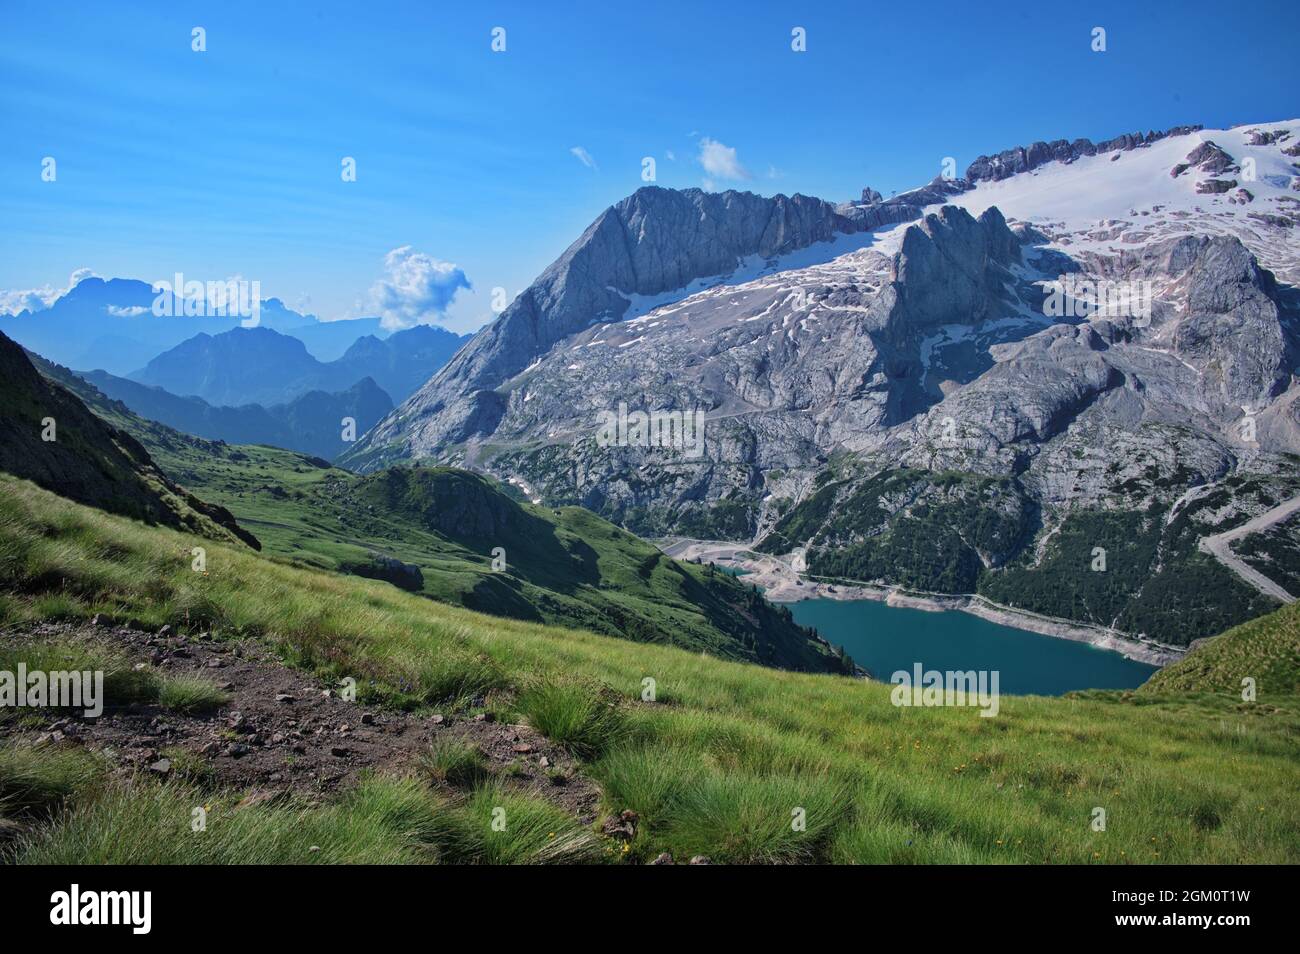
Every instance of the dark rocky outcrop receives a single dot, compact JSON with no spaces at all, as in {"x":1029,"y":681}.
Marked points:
{"x":1209,"y":158}
{"x":1215,"y":186}
{"x":89,"y":461}
{"x":1259,"y":137}
{"x":1276,"y":221}
{"x":951,"y":267}
{"x":406,"y":576}
{"x":1009,"y":162}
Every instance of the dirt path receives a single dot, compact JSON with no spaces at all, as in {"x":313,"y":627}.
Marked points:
{"x":1220,"y":545}
{"x":281,"y":730}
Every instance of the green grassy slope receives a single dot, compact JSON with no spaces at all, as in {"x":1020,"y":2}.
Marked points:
{"x":47,"y":435}
{"x":562,"y":566}
{"x":1266,"y":650}
{"x":717,"y":765}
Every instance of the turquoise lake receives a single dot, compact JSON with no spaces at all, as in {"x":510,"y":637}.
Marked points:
{"x":885,"y":639}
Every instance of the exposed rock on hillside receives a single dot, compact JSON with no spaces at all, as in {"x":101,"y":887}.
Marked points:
{"x":48,"y":436}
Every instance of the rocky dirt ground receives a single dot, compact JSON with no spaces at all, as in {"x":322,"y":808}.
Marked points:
{"x":281,"y":731}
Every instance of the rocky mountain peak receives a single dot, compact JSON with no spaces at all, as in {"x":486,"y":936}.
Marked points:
{"x":653,"y":242}
{"x":1019,"y":159}
{"x":931,"y":343}
{"x":951,"y":268}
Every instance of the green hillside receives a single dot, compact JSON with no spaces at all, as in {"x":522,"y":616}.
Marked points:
{"x":48,"y":436}
{"x":1266,"y":650}
{"x":716,"y":765}
{"x":563,"y":566}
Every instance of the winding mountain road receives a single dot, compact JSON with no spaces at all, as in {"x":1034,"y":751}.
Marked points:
{"x":1220,"y":545}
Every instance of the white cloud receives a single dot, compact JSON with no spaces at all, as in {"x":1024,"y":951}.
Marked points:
{"x":38,"y":299}
{"x":584,"y":157}
{"x":672,"y":157}
{"x":129,"y":312}
{"x":417,"y":288}
{"x":720,"y":161}
{"x":27,"y":299}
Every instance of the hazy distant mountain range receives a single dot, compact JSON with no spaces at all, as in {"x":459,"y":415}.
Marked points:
{"x":289,"y":382}
{"x":109,"y":324}
{"x":310,"y":423}
{"x":264,"y":366}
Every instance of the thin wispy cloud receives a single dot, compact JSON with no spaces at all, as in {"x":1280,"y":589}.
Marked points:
{"x":584,"y":157}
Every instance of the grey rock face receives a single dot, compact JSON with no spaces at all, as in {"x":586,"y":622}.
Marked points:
{"x":654,"y":241}
{"x":924,"y":346}
{"x":1027,"y":399}
{"x":1009,"y":162}
{"x":952,"y":265}
{"x":1234,"y":331}
{"x":1215,"y":186}
{"x":1276,"y":221}
{"x":1209,"y":158}
{"x":1226,"y":342}
{"x":1259,"y":137}
{"x":784,"y":389}
{"x":784,"y":368}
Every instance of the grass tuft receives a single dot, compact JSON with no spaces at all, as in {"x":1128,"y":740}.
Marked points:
{"x":581,"y":718}
{"x":744,"y":819}
{"x":191,"y":695}
{"x":508,"y":828}
{"x":455,"y":762}
{"x":41,"y":779}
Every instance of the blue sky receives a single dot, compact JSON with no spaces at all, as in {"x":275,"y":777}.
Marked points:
{"x":227,"y":162}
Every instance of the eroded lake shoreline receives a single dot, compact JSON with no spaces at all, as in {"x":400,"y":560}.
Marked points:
{"x":782,"y":583}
